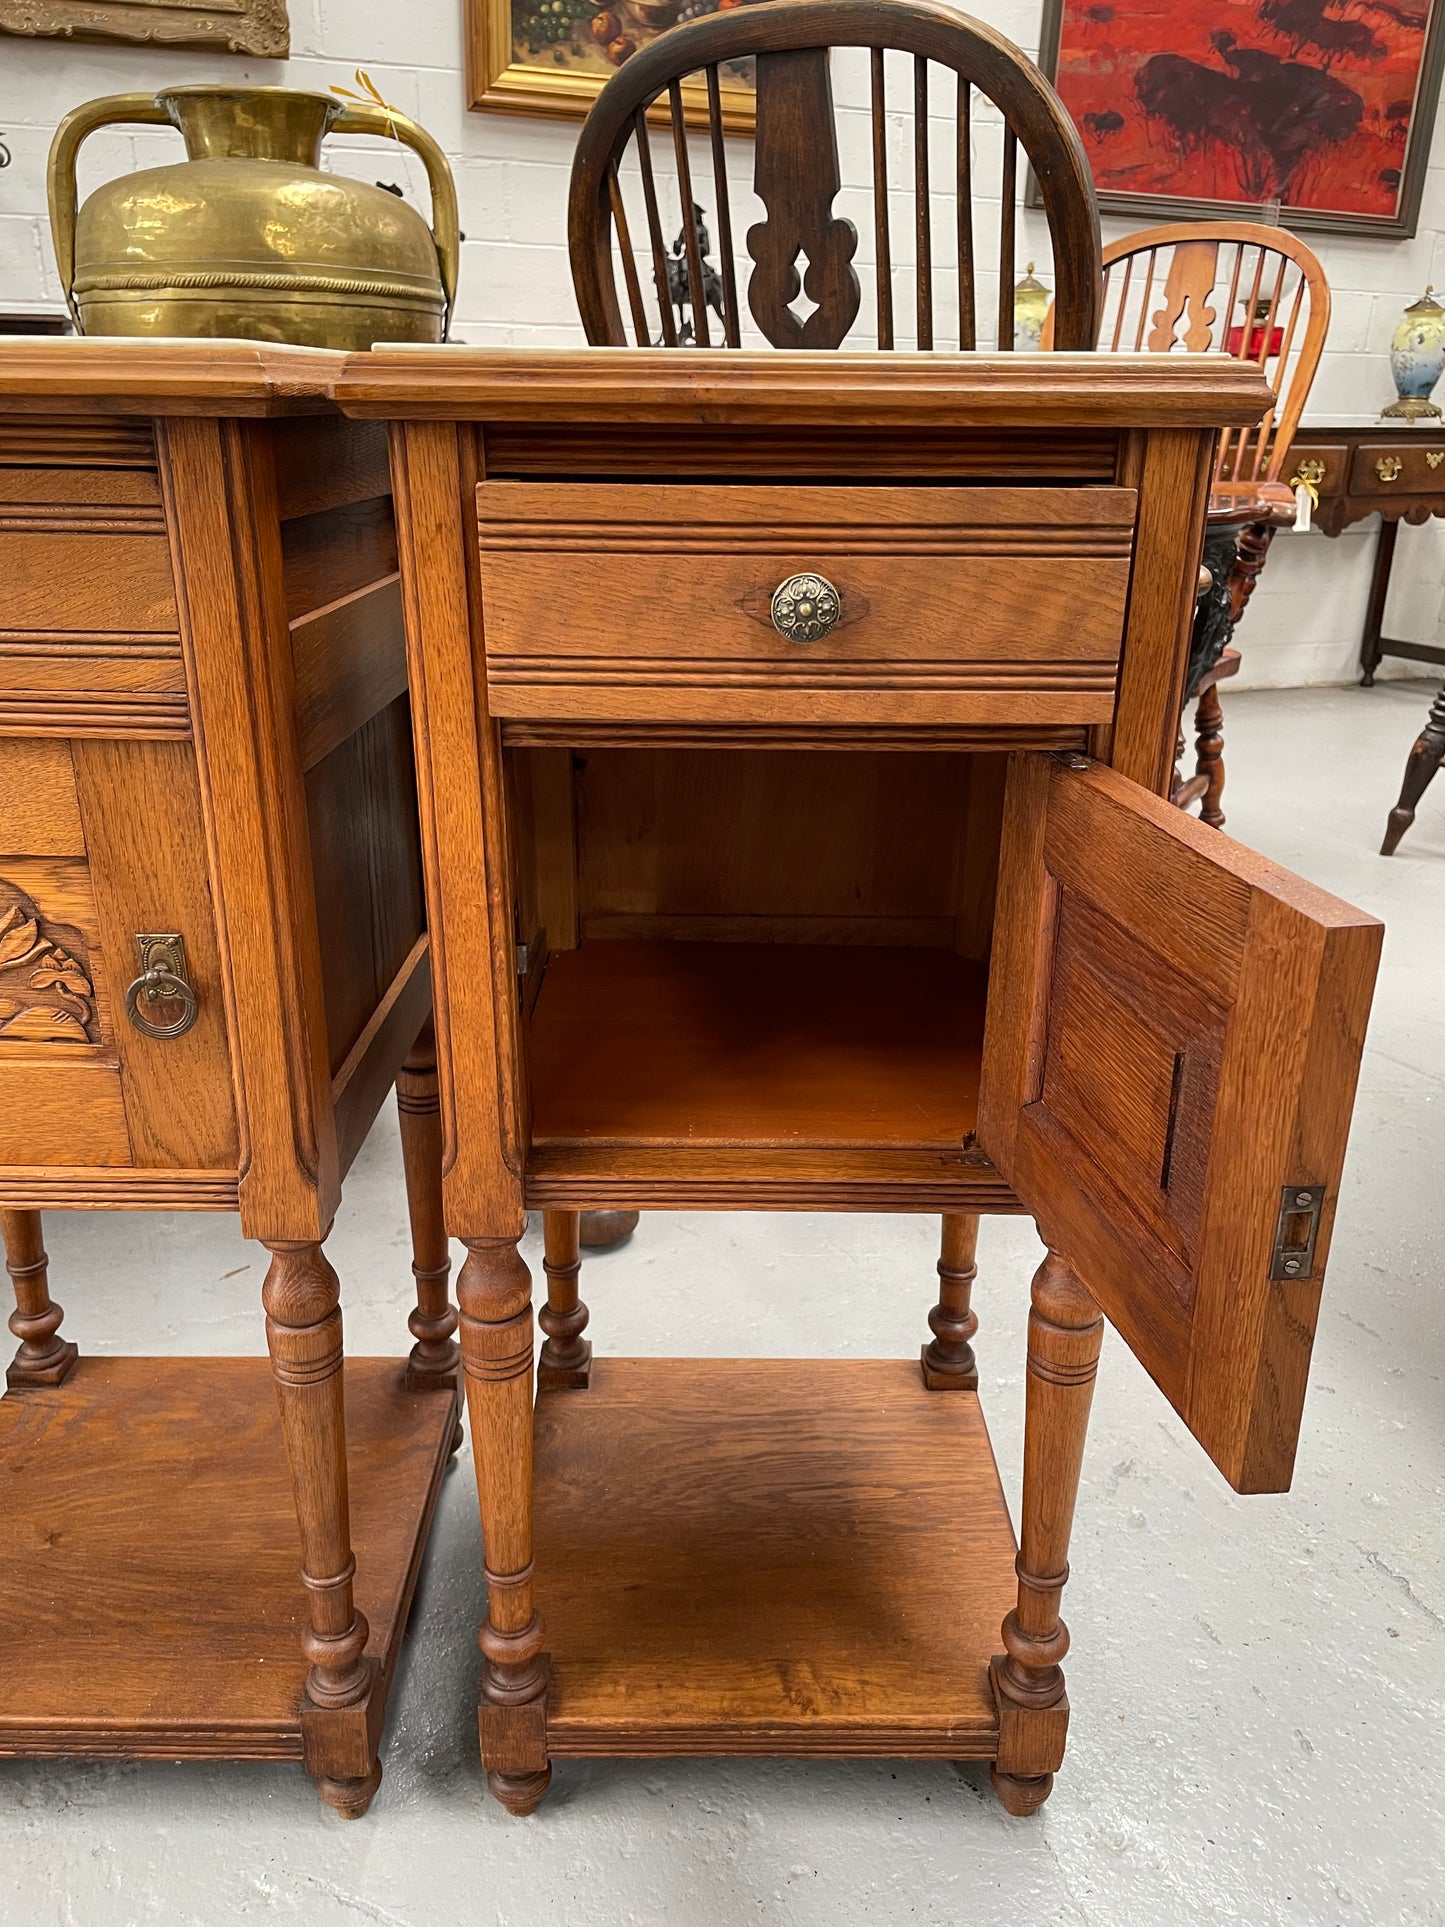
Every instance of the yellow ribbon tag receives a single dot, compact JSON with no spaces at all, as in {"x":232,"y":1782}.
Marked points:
{"x":370,"y":97}
{"x":1306,"y":501}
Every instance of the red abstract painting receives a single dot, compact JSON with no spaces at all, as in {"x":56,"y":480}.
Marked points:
{"x":1326,"y":106}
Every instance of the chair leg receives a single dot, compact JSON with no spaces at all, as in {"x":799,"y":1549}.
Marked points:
{"x":435,"y":1359}
{"x":948,"y":1363}
{"x":301,"y":1297}
{"x":1209,"y":747}
{"x":1424,"y":759}
{"x":566,"y":1356}
{"x":1066,"y":1329}
{"x":44,"y":1357}
{"x":494,"y":1291}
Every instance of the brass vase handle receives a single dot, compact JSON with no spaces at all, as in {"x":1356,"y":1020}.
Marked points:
{"x":357,"y":117}
{"x":130,"y":109}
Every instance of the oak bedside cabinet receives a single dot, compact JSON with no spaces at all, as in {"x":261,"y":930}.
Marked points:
{"x":213,"y":968}
{"x":793,"y":733}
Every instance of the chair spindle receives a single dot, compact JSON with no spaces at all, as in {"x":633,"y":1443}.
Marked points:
{"x":629,"y":265}
{"x":692,"y":252}
{"x":922,"y":210}
{"x":967,"y":300}
{"x":731,"y":321}
{"x":882,"y":242}
{"x":654,"y":229}
{"x":1006,"y":265}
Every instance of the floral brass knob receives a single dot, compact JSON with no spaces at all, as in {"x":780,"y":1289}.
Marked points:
{"x":1388,"y":467}
{"x":805,"y":607}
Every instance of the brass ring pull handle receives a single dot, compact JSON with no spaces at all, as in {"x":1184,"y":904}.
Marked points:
{"x":159,"y":986}
{"x":162,"y":980}
{"x":805,"y":607}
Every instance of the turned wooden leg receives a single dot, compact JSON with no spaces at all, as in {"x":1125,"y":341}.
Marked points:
{"x":1424,"y":759}
{"x":44,"y":1356}
{"x":566,"y":1357}
{"x":435,"y":1359}
{"x":494,"y":1290}
{"x":605,"y":1230}
{"x":948,"y":1363}
{"x":1066,"y":1329}
{"x":303,"y":1333}
{"x":1209,"y":754}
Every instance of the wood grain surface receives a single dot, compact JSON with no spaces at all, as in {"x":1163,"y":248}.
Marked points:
{"x":765,"y":1556}
{"x":153,"y":1629}
{"x":710,"y":1044}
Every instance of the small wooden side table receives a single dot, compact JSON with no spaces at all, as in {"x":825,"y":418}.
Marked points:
{"x":213,"y":968}
{"x":1365,"y":467}
{"x":795,"y":846}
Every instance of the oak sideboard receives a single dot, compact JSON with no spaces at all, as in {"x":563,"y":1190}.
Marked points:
{"x":792,"y":734}
{"x":213,"y":968}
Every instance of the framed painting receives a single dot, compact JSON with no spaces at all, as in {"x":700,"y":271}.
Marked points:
{"x":257,"y":27}
{"x":1217,"y":107}
{"x":555,"y":56}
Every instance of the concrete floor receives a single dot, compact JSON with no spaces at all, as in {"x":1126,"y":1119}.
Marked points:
{"x":1256,"y":1683}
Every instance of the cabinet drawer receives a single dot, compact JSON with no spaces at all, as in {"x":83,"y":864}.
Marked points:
{"x":1399,"y":468}
{"x":954,"y":605}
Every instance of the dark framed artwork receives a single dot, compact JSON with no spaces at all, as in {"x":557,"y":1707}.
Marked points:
{"x":1218,"y":107}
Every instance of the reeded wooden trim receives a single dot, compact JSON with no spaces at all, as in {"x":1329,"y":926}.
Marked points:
{"x":49,"y":1187}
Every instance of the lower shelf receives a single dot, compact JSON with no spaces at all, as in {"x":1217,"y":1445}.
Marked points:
{"x":769,"y":1556}
{"x":150,"y":1593}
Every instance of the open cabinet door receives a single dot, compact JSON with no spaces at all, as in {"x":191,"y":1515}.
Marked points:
{"x":1174,"y":1033}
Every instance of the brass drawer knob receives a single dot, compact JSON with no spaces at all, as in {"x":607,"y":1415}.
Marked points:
{"x":1388,"y":467}
{"x":162,"y":987}
{"x":805,"y":607}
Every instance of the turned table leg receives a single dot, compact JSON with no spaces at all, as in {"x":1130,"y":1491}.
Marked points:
{"x":1066,"y":1329}
{"x":1209,"y":755}
{"x":566,"y":1357}
{"x":44,"y":1356}
{"x":948,"y":1362}
{"x":435,"y":1359}
{"x":494,"y":1291}
{"x":303,"y":1333}
{"x":1424,"y":759}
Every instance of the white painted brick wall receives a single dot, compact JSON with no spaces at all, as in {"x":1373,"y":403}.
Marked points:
{"x":516,"y":288}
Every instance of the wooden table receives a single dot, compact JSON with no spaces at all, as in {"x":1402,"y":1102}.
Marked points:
{"x":802,"y":846}
{"x":1370,"y":467}
{"x":205,"y":767}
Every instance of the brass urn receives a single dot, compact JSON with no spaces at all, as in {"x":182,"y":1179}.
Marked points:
{"x":248,"y":236}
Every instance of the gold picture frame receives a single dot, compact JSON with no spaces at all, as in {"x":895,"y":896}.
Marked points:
{"x":256,"y":27}
{"x":500,"y":79}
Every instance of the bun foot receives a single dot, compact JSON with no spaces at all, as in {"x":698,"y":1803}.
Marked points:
{"x":604,"y":1230}
{"x":456,"y":1444}
{"x":351,"y":1798}
{"x":1021,"y":1797}
{"x":519,"y":1793}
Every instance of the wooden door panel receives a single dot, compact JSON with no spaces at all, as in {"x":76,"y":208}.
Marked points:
{"x":1174,"y":1035}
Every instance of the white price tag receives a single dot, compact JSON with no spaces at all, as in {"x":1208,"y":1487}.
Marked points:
{"x":1304,"y":502}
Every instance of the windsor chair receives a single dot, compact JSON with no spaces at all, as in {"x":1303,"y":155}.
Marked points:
{"x":797,"y":178}
{"x":1260,"y":295}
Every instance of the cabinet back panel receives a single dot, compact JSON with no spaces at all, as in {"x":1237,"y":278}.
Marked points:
{"x":735,"y":845}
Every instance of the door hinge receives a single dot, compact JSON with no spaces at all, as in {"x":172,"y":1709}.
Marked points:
{"x":1299,"y":1226}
